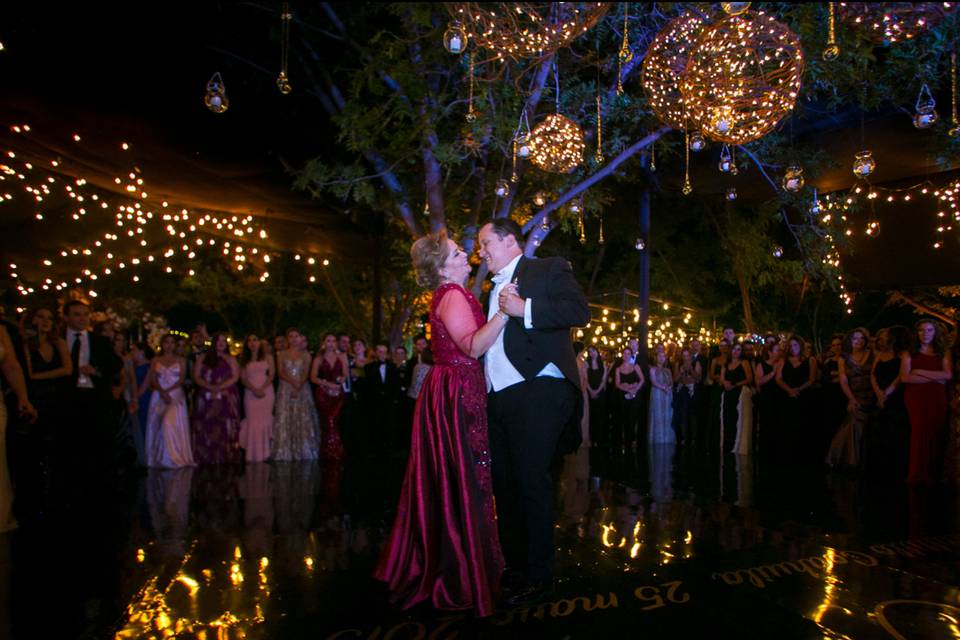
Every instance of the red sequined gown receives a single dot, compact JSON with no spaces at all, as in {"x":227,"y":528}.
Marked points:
{"x":328,"y":409}
{"x":444,"y":545}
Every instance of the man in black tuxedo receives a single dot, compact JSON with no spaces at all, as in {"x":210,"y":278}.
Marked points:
{"x":87,"y":437}
{"x":534,"y":399}
{"x":381,"y":394}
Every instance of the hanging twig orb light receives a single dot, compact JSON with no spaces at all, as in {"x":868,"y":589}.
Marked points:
{"x":525,"y":29}
{"x":743,"y":77}
{"x":557,"y":144}
{"x":664,"y":65}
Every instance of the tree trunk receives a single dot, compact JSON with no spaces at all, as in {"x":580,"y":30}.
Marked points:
{"x":745,"y":299}
{"x":644,"y":291}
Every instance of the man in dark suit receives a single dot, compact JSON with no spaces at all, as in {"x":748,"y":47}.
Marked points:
{"x":534,"y":399}
{"x":87,"y":438}
{"x":381,"y":394}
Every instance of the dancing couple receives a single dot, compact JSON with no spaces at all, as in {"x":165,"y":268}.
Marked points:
{"x":485,"y":430}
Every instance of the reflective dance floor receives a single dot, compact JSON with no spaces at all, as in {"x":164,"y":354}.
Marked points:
{"x":657,"y":542}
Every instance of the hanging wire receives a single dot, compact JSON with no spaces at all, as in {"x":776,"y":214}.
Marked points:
{"x":283,"y":79}
{"x":471,"y":116}
{"x":598,"y":155}
{"x":556,"y":81}
{"x":625,"y":55}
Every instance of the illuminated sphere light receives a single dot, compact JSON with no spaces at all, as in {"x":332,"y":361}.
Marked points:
{"x":525,"y":29}
{"x":502,"y":188}
{"x":743,"y":77}
{"x":556,"y":144}
{"x":777,"y":251}
{"x":455,"y":38}
{"x":864,"y":164}
{"x":664,"y":65}
{"x":735,"y":8}
{"x":793,"y":179}
{"x":889,"y":22}
{"x":732,"y":194}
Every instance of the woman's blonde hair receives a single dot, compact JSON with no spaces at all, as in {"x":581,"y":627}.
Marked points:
{"x":429,"y":254}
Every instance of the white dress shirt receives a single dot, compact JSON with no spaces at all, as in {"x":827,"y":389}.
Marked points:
{"x":500,"y":372}
{"x":83,"y":381}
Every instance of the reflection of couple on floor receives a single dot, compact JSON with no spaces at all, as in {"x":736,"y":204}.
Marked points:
{"x":444,"y":544}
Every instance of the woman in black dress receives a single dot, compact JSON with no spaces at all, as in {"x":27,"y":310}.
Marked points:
{"x":736,"y":378}
{"x":629,"y":381}
{"x":830,"y":398}
{"x":597,"y":394}
{"x":887,"y":437}
{"x":765,"y":377}
{"x":795,"y":375}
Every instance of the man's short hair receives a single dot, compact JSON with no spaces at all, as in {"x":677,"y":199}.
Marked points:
{"x":504,"y":227}
{"x":69,"y":304}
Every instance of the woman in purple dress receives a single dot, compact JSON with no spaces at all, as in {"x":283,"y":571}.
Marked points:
{"x":216,"y":417}
{"x":444,"y":545}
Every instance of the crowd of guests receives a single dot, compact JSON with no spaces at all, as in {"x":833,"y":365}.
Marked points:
{"x":85,"y":400}
{"x":888,"y":402}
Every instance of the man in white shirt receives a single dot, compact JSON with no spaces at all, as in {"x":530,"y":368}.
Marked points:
{"x":534,"y":400}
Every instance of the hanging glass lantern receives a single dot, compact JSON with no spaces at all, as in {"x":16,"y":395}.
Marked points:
{"x":640,"y":244}
{"x":732,"y":194}
{"x":793,"y":179}
{"x":697,"y":142}
{"x":216,"y":98}
{"x":864,"y":164}
{"x":777,"y":251}
{"x":815,"y":208}
{"x":545,"y":224}
{"x":721,"y":119}
{"x":455,"y":38}
{"x":926,"y":115}
{"x":735,"y":8}
{"x":575,"y":206}
{"x":539,"y":199}
{"x":523,"y":145}
{"x":727,"y":163}
{"x":283,"y":83}
{"x":502,"y":188}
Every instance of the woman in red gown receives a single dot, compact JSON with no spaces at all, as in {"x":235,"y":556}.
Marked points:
{"x":327,"y":374}
{"x":444,"y":545}
{"x":925,"y":370}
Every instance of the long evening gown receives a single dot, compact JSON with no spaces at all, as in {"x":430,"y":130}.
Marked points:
{"x":444,"y":545}
{"x":846,"y":447}
{"x":887,"y":437}
{"x":256,"y":428}
{"x":629,"y":418}
{"x":296,"y":430}
{"x":216,"y":419}
{"x":799,"y":437}
{"x":736,"y":411}
{"x":168,"y":427}
{"x":7,"y":521}
{"x":927,"y":408}
{"x":328,"y":410}
{"x":661,"y":408}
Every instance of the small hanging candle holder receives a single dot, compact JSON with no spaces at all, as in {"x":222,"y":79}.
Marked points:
{"x":471,"y":114}
{"x":815,"y":205}
{"x":777,"y":251}
{"x":926,"y":115}
{"x":727,"y":162}
{"x":216,"y":98}
{"x":697,"y":142}
{"x":640,"y":244}
{"x":600,"y":238}
{"x":873,"y":228}
{"x":455,"y":38}
{"x":832,"y":51}
{"x":575,"y":206}
{"x":793,"y":179}
{"x":502,"y":188}
{"x":583,"y":227}
{"x":539,"y":199}
{"x":545,"y":224}
{"x":283,"y":80}
{"x":864,"y":164}
{"x":732,"y":194}
{"x":687,"y":187}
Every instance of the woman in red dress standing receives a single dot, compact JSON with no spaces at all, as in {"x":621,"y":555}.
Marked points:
{"x":327,"y":374}
{"x":926,"y":370}
{"x":444,"y":547}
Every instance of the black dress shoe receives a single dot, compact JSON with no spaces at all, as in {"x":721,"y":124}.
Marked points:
{"x":531,"y":593}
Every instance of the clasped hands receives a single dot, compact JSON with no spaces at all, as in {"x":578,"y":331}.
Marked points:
{"x":510,"y":301}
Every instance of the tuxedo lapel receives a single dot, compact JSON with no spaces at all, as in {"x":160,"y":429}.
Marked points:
{"x":519,"y":275}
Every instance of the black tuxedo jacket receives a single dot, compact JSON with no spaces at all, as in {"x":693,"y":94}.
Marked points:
{"x":377,"y":390}
{"x":102,"y":358}
{"x":558,"y":306}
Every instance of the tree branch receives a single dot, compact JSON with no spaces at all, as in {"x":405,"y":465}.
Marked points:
{"x":536,"y":234}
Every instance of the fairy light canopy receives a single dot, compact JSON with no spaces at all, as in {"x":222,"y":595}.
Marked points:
{"x":664,"y":65}
{"x":526,"y":29}
{"x":743,"y":77}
